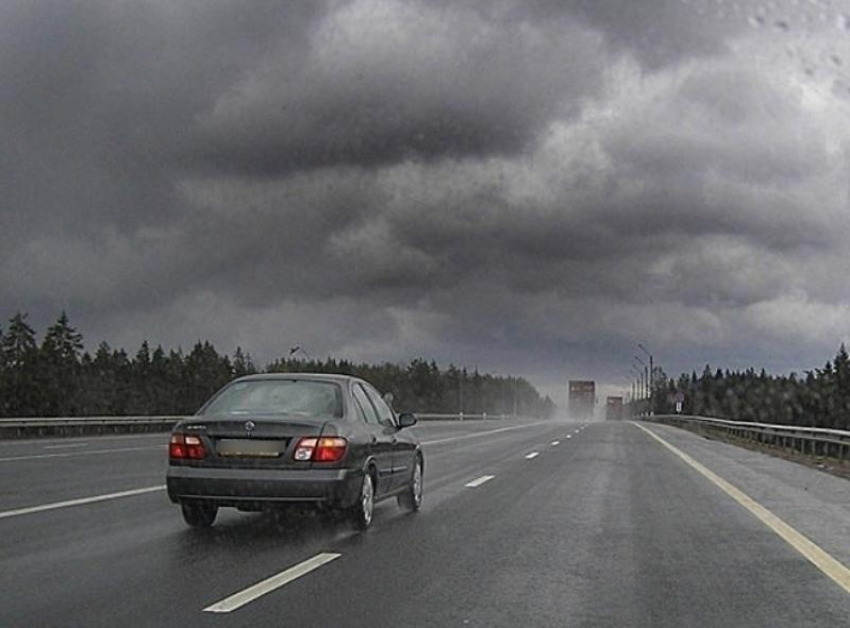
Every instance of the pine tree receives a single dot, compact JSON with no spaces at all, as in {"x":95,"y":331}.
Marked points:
{"x":100,"y":382}
{"x":841,"y":368}
{"x":242,"y":364}
{"x":19,"y":393}
{"x":142,"y":393}
{"x":60,"y":360}
{"x":163,"y":395}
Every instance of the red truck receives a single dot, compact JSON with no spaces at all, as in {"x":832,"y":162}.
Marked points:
{"x":614,"y":409}
{"x":582,"y":399}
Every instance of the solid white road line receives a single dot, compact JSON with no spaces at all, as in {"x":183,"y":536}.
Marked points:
{"x":479,"y":481}
{"x":240,"y":599}
{"x":532,"y":455}
{"x":80,"y":453}
{"x":814,"y":553}
{"x":69,"y":446}
{"x":92,"y":438}
{"x":79,"y":502}
{"x":485,"y":433}
{"x":555,"y":443}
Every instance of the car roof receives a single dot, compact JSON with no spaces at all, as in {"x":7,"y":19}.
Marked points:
{"x":322,"y":377}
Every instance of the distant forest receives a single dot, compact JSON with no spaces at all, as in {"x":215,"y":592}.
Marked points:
{"x":56,"y":377}
{"x":818,"y":398}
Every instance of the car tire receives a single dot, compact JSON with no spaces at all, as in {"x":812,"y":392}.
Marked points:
{"x":411,"y":499}
{"x":361,"y":513}
{"x":198,"y":515}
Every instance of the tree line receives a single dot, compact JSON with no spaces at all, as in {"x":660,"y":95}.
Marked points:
{"x":818,"y":398}
{"x":57,"y":377}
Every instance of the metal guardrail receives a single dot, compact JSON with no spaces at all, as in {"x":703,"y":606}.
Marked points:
{"x":464,"y":417}
{"x":89,"y":420}
{"x":811,"y":441}
{"x":79,"y":426}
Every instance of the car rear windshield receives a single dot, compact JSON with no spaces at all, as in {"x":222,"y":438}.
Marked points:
{"x":300,"y":397}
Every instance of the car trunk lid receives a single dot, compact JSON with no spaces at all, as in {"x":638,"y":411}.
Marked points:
{"x":252,"y":441}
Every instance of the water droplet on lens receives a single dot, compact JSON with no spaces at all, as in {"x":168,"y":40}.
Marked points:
{"x":781,"y":25}
{"x":756,"y":20}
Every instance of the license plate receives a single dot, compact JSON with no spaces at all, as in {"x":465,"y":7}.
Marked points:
{"x":250,"y":448}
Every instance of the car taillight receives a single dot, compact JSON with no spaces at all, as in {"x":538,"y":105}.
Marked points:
{"x":182,"y":447}
{"x":330,"y":449}
{"x":177,"y":447}
{"x":327,"y":449}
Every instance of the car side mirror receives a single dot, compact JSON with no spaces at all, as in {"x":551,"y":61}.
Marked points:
{"x":406,"y":419}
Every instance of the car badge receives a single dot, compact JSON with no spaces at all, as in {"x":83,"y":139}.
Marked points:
{"x":249,"y":426}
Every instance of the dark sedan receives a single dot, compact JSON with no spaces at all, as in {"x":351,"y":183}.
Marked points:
{"x":267,"y":441}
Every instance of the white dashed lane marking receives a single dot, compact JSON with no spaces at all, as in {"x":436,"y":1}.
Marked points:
{"x":240,"y":599}
{"x":478,"y":482}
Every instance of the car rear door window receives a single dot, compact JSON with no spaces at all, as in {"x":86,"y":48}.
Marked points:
{"x":385,"y":414}
{"x":369,"y":412}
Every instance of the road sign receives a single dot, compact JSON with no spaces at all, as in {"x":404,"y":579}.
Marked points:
{"x":680,"y":397}
{"x":678,"y":407}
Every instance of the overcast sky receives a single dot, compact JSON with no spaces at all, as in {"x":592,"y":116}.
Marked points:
{"x":529,"y":187}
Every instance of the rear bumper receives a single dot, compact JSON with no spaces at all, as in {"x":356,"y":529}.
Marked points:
{"x":333,"y":488}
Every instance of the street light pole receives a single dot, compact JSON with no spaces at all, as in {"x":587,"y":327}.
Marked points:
{"x":646,"y":374}
{"x":638,"y":394}
{"x":644,"y":378}
{"x":462,"y":377}
{"x":651,"y":376}
{"x":629,"y":395}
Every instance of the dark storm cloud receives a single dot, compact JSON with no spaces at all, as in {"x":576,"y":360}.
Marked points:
{"x":97,"y":97}
{"x":348,"y":97}
{"x":524,"y":186}
{"x":380,"y":82}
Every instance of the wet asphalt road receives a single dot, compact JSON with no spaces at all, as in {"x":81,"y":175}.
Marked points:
{"x":605,"y":528}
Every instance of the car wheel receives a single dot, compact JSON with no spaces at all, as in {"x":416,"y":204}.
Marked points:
{"x":361,"y":513}
{"x":411,"y":499}
{"x":198,"y":515}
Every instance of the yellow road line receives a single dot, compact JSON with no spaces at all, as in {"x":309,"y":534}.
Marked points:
{"x":812,"y":552}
